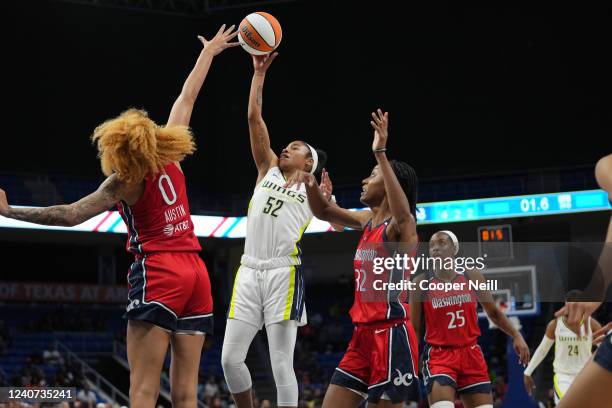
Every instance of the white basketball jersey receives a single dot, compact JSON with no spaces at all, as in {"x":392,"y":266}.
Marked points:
{"x":277,"y":218}
{"x":571,"y":352}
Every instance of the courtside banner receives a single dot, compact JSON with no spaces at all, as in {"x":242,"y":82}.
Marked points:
{"x":65,"y":292}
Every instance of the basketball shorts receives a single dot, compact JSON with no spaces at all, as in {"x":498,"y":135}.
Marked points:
{"x":267,"y":296}
{"x":171,"y":290}
{"x":561,"y":384}
{"x":462,"y":367}
{"x":381,"y":363}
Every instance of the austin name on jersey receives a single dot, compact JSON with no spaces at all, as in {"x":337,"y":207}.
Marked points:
{"x":175,"y":213}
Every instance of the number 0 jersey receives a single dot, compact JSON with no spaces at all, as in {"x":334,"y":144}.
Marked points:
{"x":450,"y":316}
{"x":160,"y":220}
{"x":276,"y":221}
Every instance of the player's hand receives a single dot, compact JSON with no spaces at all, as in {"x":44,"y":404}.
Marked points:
{"x":380,"y":123}
{"x":600,"y":335}
{"x":4,"y":207}
{"x":220,"y":41}
{"x":261,"y":63}
{"x":529,"y":384}
{"x":326,"y":185}
{"x":577,"y":315}
{"x":521,"y":349}
{"x":299,"y":178}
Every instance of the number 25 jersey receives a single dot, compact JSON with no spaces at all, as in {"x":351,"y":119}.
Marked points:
{"x":276,"y":221}
{"x":450,"y":316}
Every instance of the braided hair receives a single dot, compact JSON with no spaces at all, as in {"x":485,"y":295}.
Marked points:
{"x":408,"y":180}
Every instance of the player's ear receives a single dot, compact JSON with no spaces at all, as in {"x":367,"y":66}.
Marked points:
{"x":309,"y":164}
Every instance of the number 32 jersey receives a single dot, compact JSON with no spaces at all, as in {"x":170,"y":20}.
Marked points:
{"x":277,"y":219}
{"x":450,"y":316}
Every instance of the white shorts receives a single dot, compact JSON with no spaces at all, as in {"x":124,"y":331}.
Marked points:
{"x":267,"y":296}
{"x":561,"y":384}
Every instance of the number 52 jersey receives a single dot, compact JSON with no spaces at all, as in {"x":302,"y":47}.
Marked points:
{"x":277,"y":219}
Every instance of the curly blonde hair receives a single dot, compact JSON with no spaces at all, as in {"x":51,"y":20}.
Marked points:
{"x":134,"y":147}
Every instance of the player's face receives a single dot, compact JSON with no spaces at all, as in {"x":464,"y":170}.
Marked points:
{"x":441,"y":246}
{"x":295,"y":157}
{"x":373,"y":188}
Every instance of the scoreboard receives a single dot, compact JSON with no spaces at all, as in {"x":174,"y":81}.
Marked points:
{"x":511,"y":207}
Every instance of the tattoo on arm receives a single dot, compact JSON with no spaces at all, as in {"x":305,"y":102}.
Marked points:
{"x":55,"y":215}
{"x":72,"y":214}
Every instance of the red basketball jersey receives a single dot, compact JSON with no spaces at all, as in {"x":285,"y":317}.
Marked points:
{"x":450,"y":316}
{"x":160,"y":220}
{"x":372,"y":302}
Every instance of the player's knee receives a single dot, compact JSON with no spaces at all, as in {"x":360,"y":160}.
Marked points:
{"x":443,"y":404}
{"x":142,"y":392}
{"x":183,"y":396}
{"x":232,"y":358}
{"x":282,"y":367}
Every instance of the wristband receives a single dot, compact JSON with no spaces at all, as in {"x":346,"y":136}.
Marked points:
{"x":332,"y":199}
{"x":380,"y":150}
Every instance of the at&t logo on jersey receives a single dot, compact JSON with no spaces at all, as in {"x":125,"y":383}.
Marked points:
{"x":402,"y":379}
{"x":170,"y":229}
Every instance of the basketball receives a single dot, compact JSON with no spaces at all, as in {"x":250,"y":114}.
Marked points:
{"x":259,"y":33}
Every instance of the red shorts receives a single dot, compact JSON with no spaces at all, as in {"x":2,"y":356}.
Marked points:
{"x":171,"y":290}
{"x":462,"y":367}
{"x":381,"y":359}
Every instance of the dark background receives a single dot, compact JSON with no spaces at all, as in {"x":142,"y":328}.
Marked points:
{"x":472,"y":89}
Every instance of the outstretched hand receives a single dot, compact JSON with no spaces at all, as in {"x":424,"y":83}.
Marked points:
{"x":600,"y":335}
{"x":380,"y":123}
{"x":577,"y":315}
{"x":521,"y":349}
{"x":220,"y":41}
{"x":299,"y":178}
{"x":326,"y":185}
{"x":529,"y":384}
{"x":261,"y":63}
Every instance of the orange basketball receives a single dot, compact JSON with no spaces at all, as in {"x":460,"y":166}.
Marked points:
{"x":259,"y":33}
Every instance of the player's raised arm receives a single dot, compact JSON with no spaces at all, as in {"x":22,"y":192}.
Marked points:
{"x":323,"y":208}
{"x":403,"y":224}
{"x":107,"y":195}
{"x":263,"y":155}
{"x":180,"y":115}
{"x":499,"y":318}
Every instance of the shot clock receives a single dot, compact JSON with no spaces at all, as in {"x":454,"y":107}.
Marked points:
{"x":495,"y":241}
